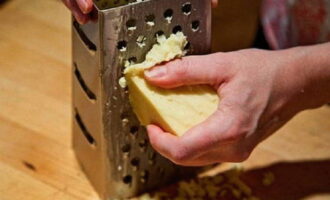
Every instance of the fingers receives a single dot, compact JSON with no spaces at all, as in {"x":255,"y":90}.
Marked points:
{"x":168,"y":145}
{"x":222,"y":128}
{"x":215,"y":3}
{"x":229,"y":126}
{"x":208,"y":69}
{"x":85,"y":6}
{"x":76,"y":11}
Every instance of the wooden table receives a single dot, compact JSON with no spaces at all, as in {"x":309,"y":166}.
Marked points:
{"x":36,"y":159}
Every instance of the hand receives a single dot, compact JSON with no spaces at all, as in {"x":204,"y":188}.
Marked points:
{"x":260,"y":91}
{"x":80,"y":9}
{"x":215,"y":3}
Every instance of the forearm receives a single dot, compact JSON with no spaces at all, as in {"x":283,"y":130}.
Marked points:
{"x":311,"y":65}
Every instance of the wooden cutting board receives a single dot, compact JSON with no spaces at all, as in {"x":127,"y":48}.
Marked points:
{"x":36,"y":160}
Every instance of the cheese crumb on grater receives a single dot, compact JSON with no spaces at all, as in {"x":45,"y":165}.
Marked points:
{"x":165,"y":50}
{"x":175,"y":110}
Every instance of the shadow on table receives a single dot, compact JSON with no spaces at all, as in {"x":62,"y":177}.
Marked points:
{"x":292,"y":180}
{"x":2,"y":2}
{"x":279,"y":181}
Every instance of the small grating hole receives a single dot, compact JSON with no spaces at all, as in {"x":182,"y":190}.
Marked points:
{"x":150,"y":20}
{"x":135,"y":162}
{"x":159,"y":33}
{"x":124,"y":115}
{"x":127,"y":179}
{"x":168,"y":15}
{"x":151,"y":158}
{"x":122,"y":45}
{"x":140,"y":41}
{"x":134,"y":130}
{"x":131,"y":25}
{"x":144,"y":176}
{"x":126,"y":148}
{"x":195,"y":25}
{"x":143,"y":143}
{"x":186,"y":8}
{"x":176,"y":29}
{"x":187,"y":46}
{"x":132,"y":60}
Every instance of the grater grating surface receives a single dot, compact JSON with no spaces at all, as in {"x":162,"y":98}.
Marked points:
{"x":118,"y":159}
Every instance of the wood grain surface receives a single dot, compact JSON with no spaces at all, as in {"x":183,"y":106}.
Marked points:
{"x":36,"y":159}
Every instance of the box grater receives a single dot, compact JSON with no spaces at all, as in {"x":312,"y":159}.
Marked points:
{"x":111,"y":146}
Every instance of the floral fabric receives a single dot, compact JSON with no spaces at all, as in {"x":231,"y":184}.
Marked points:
{"x":289,"y":23}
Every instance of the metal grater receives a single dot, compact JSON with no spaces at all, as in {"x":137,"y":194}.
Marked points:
{"x":111,"y":146}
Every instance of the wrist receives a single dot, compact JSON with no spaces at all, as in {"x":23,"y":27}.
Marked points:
{"x":309,"y":68}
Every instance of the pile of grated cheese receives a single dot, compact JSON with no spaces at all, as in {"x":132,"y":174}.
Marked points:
{"x":224,"y":186}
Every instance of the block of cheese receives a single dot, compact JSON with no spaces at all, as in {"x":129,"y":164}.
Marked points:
{"x":174,"y":110}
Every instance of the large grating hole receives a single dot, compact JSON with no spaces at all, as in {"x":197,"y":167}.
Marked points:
{"x":176,"y":29}
{"x":127,"y":179}
{"x":150,"y":20}
{"x":122,"y":46}
{"x":84,"y":130}
{"x":168,"y":15}
{"x":82,"y":83}
{"x":90,"y":45}
{"x":195,"y":25}
{"x":186,"y":8}
{"x":131,"y":25}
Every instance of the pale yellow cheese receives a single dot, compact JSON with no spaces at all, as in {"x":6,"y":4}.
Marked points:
{"x":175,"y":110}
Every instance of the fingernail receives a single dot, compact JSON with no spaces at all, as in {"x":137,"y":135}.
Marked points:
{"x":156,"y":72}
{"x":84,"y":8}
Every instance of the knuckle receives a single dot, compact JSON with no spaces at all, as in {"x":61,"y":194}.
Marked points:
{"x":180,"y":68}
{"x":236,"y":133}
{"x":240,"y":128}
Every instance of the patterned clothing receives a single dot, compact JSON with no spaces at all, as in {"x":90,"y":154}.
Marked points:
{"x":289,"y":23}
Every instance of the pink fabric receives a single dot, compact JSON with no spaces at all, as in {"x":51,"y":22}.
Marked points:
{"x":289,"y":23}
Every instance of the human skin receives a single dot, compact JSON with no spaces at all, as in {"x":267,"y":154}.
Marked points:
{"x":260,"y":91}
{"x":81,"y":9}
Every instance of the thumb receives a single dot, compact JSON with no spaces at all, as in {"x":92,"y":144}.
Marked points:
{"x":190,"y":70}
